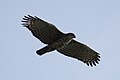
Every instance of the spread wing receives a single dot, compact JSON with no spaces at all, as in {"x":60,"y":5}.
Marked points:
{"x":44,"y":31}
{"x":81,"y":52}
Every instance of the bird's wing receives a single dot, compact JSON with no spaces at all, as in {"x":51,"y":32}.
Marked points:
{"x":44,"y":31}
{"x":81,"y":52}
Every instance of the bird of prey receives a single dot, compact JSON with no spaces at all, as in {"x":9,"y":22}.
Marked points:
{"x":57,"y":40}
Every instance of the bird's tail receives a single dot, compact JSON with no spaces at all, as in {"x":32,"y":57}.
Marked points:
{"x":44,"y":50}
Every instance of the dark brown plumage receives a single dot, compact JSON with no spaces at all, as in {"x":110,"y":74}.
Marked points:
{"x":56,"y":40}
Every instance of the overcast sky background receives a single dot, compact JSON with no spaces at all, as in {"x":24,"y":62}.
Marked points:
{"x":94,"y":22}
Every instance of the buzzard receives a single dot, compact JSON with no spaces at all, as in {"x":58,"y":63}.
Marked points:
{"x":57,"y":40}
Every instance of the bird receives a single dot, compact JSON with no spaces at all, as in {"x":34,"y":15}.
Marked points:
{"x":64,"y":43}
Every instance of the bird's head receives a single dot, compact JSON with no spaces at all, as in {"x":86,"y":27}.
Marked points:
{"x":71,"y":35}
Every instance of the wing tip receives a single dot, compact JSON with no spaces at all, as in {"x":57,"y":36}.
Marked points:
{"x":93,"y":62}
{"x":27,"y":20}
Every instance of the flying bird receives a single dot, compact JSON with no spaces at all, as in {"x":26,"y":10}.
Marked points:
{"x":57,"y":40}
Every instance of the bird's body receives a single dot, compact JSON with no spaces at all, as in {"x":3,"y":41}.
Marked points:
{"x":56,"y":40}
{"x":60,"y":43}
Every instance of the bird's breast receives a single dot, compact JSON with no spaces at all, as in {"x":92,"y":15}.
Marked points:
{"x":61,"y":42}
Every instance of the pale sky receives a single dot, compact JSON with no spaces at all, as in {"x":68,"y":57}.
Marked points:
{"x":94,"y":22}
